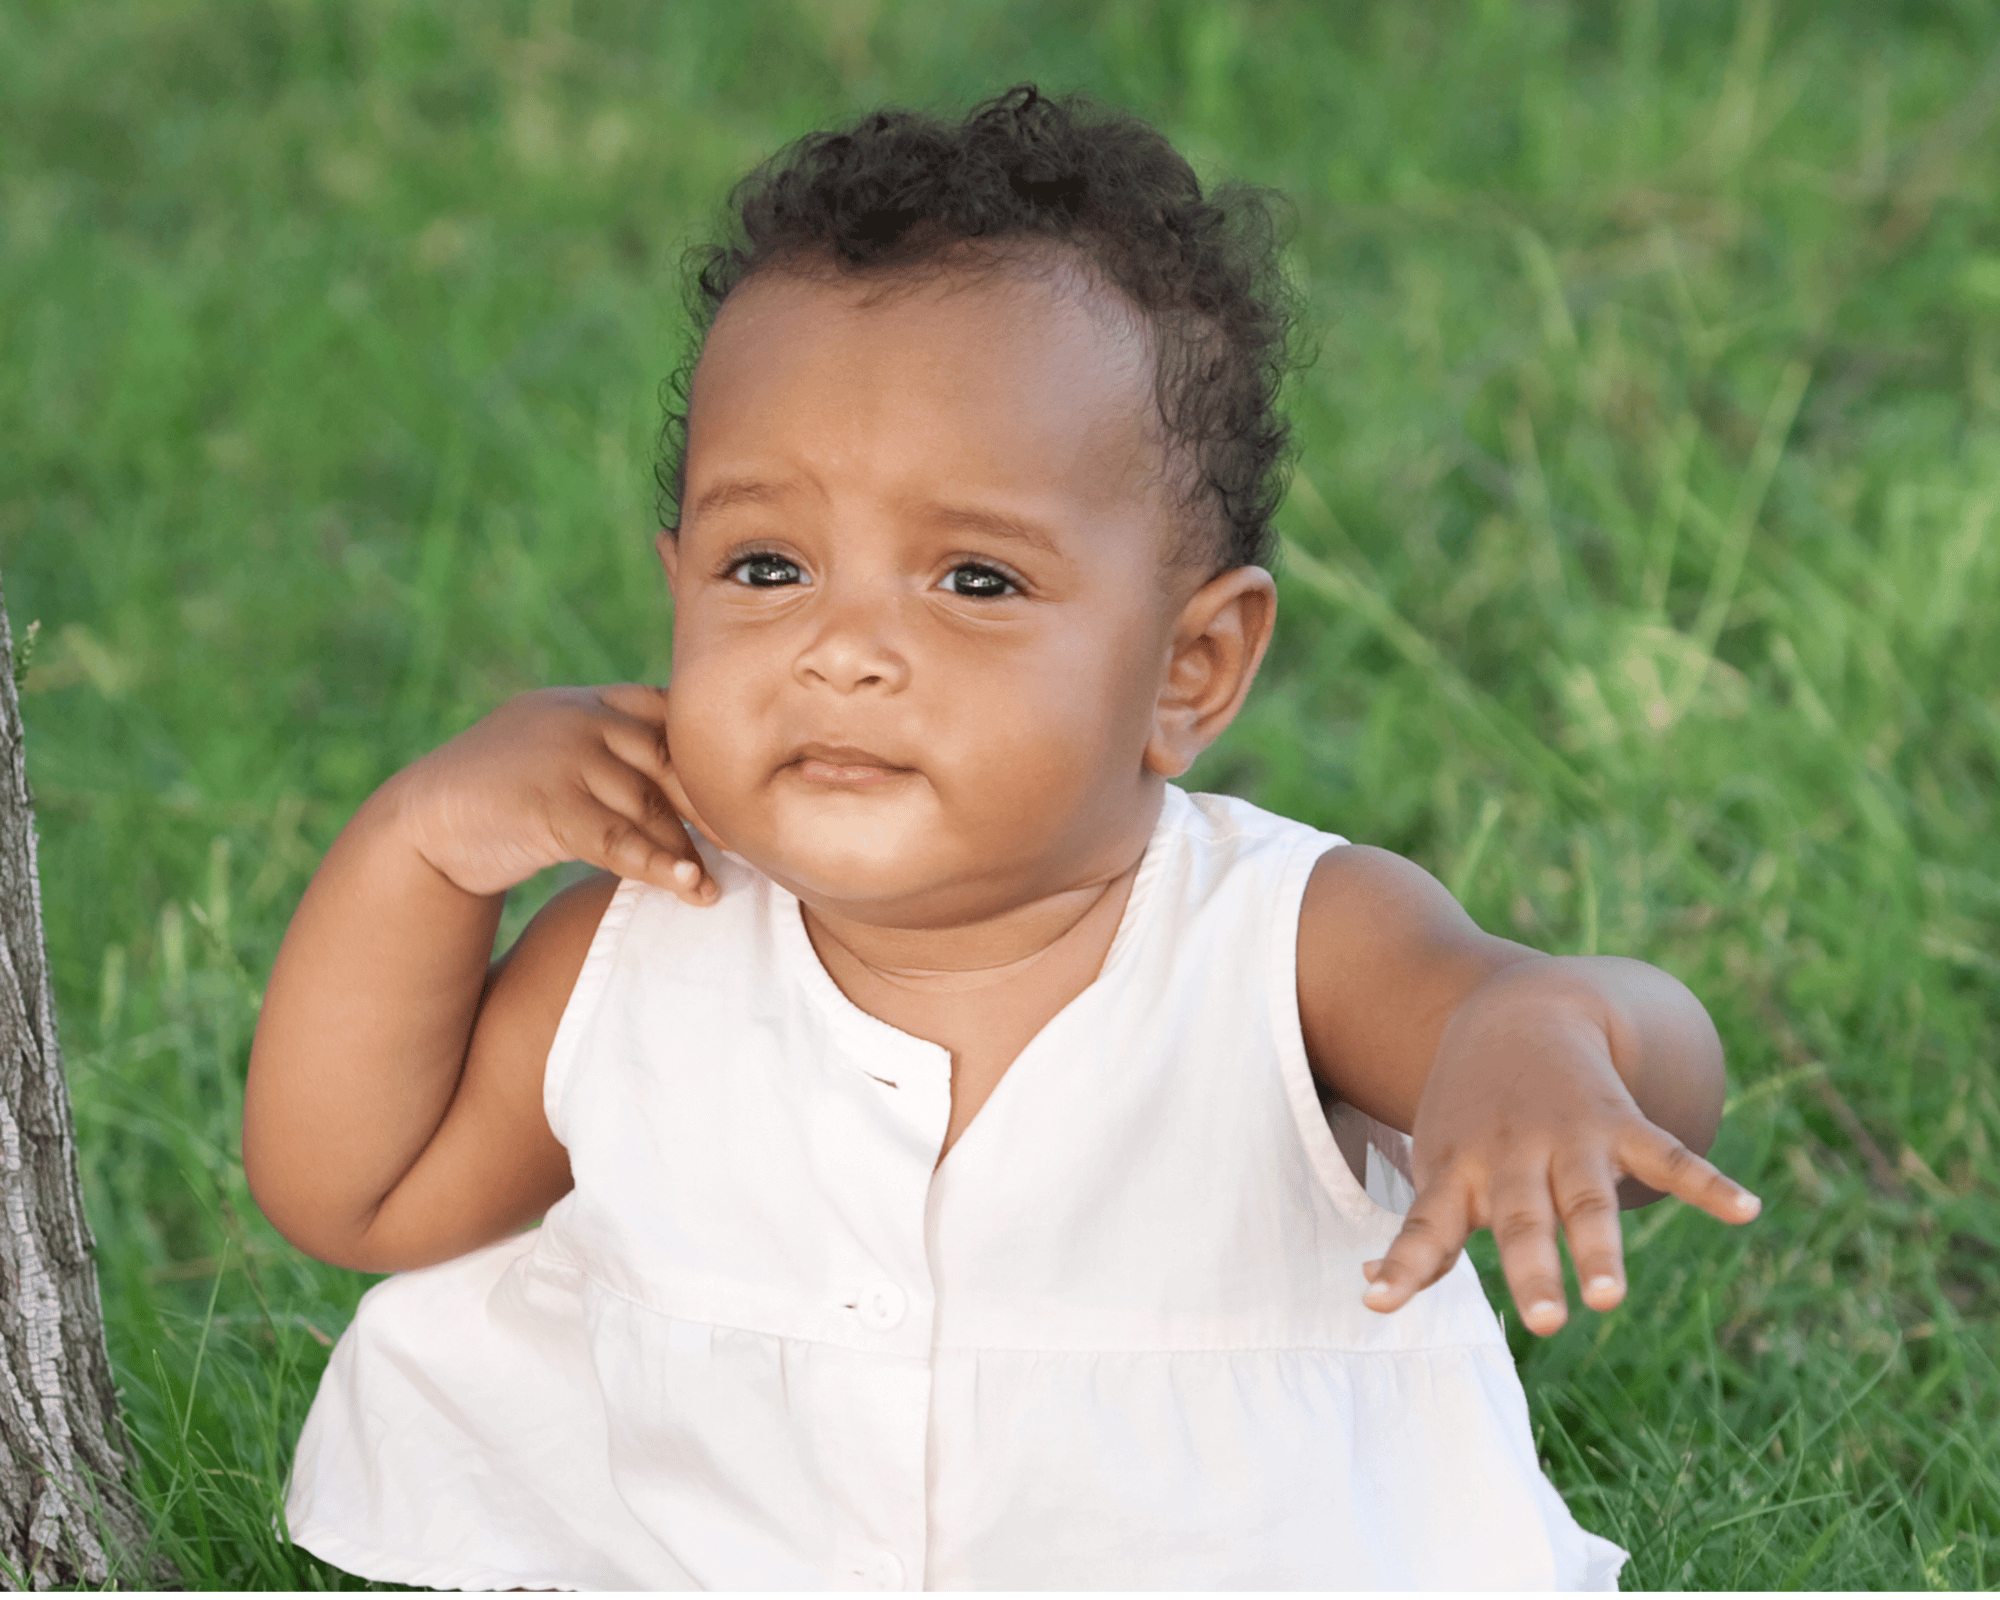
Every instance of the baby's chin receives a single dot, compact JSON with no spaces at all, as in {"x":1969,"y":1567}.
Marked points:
{"x":879,"y":894}
{"x":874,"y":875}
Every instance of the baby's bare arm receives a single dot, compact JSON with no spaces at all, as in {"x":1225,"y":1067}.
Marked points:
{"x":1539,"y":1089}
{"x":393,"y":1114}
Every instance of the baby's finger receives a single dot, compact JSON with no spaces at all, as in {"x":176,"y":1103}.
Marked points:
{"x":1656,"y":1158}
{"x":643,"y":702}
{"x":1524,"y":1227}
{"x":636,"y":735}
{"x":632,"y":831}
{"x":642,"y":741}
{"x":1586,"y":1197}
{"x":1432,"y":1236}
{"x":632,"y":853}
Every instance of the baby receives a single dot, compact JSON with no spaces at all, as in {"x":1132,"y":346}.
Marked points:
{"x":964,"y":1159}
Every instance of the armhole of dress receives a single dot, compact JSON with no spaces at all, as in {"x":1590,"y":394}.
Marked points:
{"x":1387,"y":1192}
{"x":581,"y":1006}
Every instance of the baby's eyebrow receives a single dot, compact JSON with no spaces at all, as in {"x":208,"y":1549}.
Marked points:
{"x":735,"y":492}
{"x":982,"y":520}
{"x":994,"y":525}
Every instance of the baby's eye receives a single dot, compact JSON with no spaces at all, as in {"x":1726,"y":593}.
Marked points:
{"x":976,"y":582}
{"x":766,"y":572}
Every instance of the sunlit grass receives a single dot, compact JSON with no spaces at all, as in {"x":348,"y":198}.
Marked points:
{"x":1642,"y":581}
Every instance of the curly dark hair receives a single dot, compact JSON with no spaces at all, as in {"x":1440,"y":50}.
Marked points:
{"x":900,"y":189}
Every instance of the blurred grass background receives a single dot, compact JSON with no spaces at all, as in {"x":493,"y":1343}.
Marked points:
{"x":1641,"y":581}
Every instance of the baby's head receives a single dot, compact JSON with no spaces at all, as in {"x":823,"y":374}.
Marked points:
{"x":1051,"y":186}
{"x":967,"y":503}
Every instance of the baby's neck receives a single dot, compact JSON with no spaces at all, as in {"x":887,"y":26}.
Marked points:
{"x":981,"y":992}
{"x":1054,"y":931}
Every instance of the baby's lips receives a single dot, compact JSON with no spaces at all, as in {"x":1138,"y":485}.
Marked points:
{"x":845,"y":766}
{"x":844,"y":755}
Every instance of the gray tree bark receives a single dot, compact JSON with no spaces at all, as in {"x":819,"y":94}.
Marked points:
{"x":66,"y":1516}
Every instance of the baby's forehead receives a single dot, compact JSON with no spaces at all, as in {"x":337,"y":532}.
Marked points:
{"x":1016,"y":290}
{"x":985,"y":368}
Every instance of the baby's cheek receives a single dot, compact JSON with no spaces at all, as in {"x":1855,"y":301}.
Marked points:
{"x":706,"y":763}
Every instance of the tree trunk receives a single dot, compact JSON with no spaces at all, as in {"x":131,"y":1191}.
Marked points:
{"x":66,"y":1516}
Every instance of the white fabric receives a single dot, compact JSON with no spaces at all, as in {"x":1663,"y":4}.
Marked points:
{"x":1115,"y":1340}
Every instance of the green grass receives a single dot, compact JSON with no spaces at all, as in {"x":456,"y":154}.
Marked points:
{"x":1643,"y":582}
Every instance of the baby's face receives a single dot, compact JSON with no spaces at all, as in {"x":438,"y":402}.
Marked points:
{"x":922,"y":608}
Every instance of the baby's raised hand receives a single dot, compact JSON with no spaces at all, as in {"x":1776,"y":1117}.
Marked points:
{"x":1526,"y":1124}
{"x":556,"y":775}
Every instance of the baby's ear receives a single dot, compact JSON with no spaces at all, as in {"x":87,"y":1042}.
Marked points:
{"x":667,"y":542}
{"x":1218,"y":642}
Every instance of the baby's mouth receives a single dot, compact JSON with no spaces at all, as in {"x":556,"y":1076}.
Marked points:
{"x":844,"y":766}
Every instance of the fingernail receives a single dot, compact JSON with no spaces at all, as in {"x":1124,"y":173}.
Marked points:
{"x":1546,"y":1311}
{"x":1748,"y":1205}
{"x":686,"y":872}
{"x":1603,"y":1283}
{"x":1375,"y":1294}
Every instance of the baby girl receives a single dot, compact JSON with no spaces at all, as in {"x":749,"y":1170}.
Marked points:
{"x":962,"y":1158}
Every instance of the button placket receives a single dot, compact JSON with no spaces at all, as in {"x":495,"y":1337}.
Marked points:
{"x":881,"y":1306}
{"x":901,"y":1105}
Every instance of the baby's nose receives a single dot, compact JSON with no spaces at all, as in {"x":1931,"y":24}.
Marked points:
{"x":855,"y":647}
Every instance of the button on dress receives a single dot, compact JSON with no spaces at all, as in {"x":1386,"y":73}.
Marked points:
{"x":1114,"y":1340}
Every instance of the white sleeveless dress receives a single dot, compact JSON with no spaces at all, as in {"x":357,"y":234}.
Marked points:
{"x":1115,"y":1340}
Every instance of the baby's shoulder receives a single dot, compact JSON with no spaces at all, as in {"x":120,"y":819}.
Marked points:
{"x":1363,"y":901}
{"x":1383,"y":949}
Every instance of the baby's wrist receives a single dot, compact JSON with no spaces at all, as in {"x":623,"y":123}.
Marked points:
{"x":410,"y":817}
{"x":1639,"y":1022}
{"x":1539,"y":991}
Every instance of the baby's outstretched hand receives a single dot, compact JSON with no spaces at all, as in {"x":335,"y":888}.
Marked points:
{"x":1526,"y":1124}
{"x":556,"y":775}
